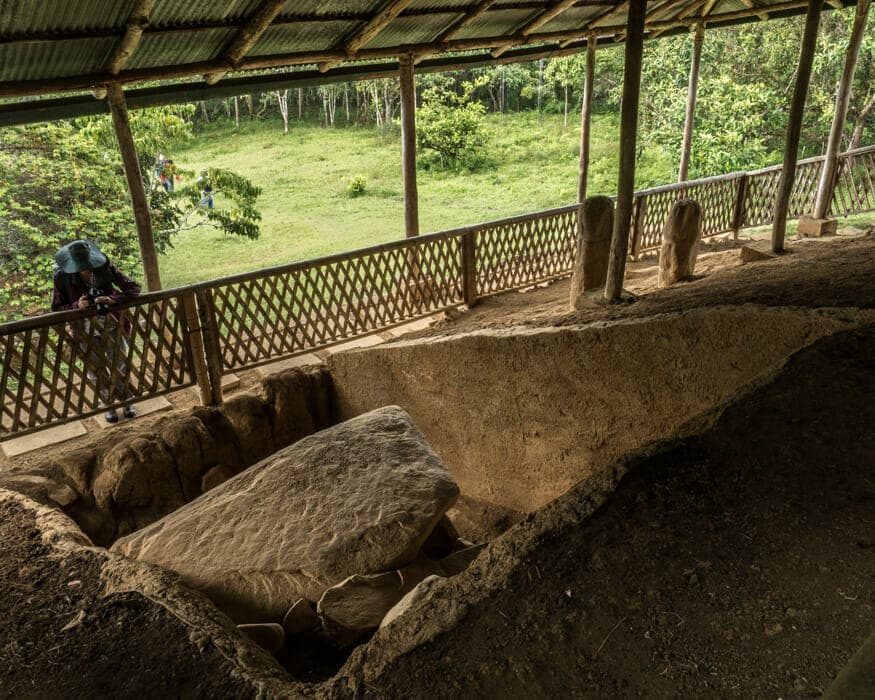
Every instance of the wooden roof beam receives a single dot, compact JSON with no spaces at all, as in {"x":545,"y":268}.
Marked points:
{"x":466,"y":20}
{"x":256,"y":25}
{"x":376,"y":25}
{"x":138,"y":20}
{"x":86,"y":82}
{"x":655,"y":13}
{"x":539,"y":21}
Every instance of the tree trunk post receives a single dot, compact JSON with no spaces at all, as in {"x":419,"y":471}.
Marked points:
{"x":206,"y":309}
{"x":196,"y":345}
{"x":826,"y":186}
{"x":628,"y":137}
{"x":692,"y":92}
{"x":469,"y":267}
{"x":586,"y":118}
{"x":794,"y":124}
{"x":408,"y":146}
{"x":142,"y":216}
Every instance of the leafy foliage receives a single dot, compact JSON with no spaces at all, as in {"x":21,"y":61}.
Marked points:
{"x":65,"y":180}
{"x":451,"y":123}
{"x":357,"y":186}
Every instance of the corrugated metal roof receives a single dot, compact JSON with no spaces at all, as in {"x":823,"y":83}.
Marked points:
{"x":411,"y":30}
{"x":44,"y":16}
{"x":173,"y":13}
{"x":180,"y":47}
{"x":42,"y":41}
{"x":496,"y":23}
{"x":52,"y":59}
{"x":308,"y":36}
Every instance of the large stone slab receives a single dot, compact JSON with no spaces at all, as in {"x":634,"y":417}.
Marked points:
{"x":358,"y":498}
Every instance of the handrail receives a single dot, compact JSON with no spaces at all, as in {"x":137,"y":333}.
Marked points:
{"x":193,"y":333}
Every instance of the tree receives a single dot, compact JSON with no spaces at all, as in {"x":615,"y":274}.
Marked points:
{"x":450,"y":123}
{"x":65,"y":180}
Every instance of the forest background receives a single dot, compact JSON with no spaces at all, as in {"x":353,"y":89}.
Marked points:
{"x":307,"y":172}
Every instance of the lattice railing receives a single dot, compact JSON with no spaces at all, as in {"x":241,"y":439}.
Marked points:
{"x":524,"y":250}
{"x":73,"y":364}
{"x":855,"y":183}
{"x":716,"y":196}
{"x":762,"y":190}
{"x":63,"y":366}
{"x":279,"y":312}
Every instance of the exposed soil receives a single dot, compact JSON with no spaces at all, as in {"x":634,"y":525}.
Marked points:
{"x":737,"y":563}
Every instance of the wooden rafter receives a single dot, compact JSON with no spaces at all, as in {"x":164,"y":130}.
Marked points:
{"x":86,"y":82}
{"x":538,"y":21}
{"x":256,"y":25}
{"x":466,"y":20}
{"x":657,"y":12}
{"x":138,"y":20}
{"x":376,"y":25}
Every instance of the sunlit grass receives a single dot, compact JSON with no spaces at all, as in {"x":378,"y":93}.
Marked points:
{"x":531,"y":164}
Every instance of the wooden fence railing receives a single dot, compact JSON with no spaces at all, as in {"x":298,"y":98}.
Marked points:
{"x":64,"y":366}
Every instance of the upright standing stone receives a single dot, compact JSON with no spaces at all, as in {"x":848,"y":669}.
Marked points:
{"x":680,"y":242}
{"x":592,"y":249}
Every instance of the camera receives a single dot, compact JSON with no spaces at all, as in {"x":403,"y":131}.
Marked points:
{"x":93,"y":294}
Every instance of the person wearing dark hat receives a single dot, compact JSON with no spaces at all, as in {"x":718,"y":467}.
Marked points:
{"x":84,"y":277}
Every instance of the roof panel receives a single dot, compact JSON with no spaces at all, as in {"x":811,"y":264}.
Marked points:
{"x":180,"y":47}
{"x":304,"y":36}
{"x":496,"y":23}
{"x":411,"y":30}
{"x":53,"y":59}
{"x":574,"y":18}
{"x":304,"y":8}
{"x":171,"y":13}
{"x":18,"y":17}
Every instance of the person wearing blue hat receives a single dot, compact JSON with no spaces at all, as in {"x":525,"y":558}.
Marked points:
{"x":84,"y":277}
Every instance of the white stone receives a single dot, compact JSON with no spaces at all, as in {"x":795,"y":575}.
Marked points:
{"x":360,"y":497}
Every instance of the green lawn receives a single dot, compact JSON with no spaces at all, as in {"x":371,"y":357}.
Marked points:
{"x":531,"y":164}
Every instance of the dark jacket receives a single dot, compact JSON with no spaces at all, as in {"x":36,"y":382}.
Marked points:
{"x":108,"y":279}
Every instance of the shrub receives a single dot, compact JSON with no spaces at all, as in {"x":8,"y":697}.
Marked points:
{"x":357,"y":186}
{"x":451,"y":124}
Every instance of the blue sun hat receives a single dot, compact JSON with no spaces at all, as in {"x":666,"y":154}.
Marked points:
{"x":78,"y":256}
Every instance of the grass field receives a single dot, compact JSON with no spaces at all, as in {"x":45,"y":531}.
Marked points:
{"x":530,"y":164}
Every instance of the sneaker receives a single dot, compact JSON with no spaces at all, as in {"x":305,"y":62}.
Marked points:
{"x":111,"y":416}
{"x":130,"y":412}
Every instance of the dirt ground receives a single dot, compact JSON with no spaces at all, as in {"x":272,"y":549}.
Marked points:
{"x":737,"y":563}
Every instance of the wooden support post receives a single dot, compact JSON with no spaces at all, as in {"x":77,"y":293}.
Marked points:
{"x":692,"y":90}
{"x":826,"y":186}
{"x":639,"y":211}
{"x":740,"y":197}
{"x":142,"y":216}
{"x":628,"y":137}
{"x":794,"y":124}
{"x":469,"y":267}
{"x":586,"y":118}
{"x":196,"y":345}
{"x":408,"y":146}
{"x":206,"y":309}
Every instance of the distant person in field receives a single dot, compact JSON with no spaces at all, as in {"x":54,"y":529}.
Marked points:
{"x":85,"y":278}
{"x":206,"y":184}
{"x":166,"y":171}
